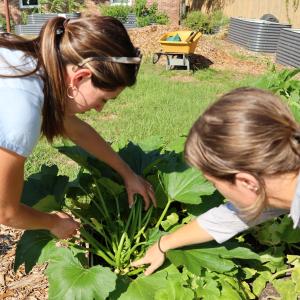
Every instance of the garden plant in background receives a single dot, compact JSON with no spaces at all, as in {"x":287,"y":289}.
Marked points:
{"x":96,"y":264}
{"x":205,"y":23}
{"x":285,"y":84}
{"x":146,"y":15}
{"x":60,"y":6}
{"x":56,"y":6}
{"x":120,"y":12}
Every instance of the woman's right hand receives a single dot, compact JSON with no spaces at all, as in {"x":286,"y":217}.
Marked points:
{"x":64,"y":226}
{"x":154,"y":257}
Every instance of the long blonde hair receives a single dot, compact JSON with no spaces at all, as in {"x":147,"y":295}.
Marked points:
{"x":61,"y":42}
{"x":246,"y":130}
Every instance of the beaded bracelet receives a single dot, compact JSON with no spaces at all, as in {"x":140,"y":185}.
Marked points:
{"x":158,"y":245}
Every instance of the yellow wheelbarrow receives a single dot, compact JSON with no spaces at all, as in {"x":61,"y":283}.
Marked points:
{"x":177,"y":46}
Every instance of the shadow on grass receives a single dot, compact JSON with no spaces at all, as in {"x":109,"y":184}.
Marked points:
{"x":199,"y":62}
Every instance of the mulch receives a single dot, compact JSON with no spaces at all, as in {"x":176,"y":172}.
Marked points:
{"x":213,"y":51}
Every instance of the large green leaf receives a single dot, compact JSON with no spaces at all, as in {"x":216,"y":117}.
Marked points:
{"x":140,"y":161}
{"x":88,"y":162}
{"x":122,"y":284}
{"x":174,"y":291}
{"x":208,"y":202}
{"x":69,"y":280}
{"x":186,"y":186}
{"x":286,"y":289}
{"x":196,"y":259}
{"x":176,"y":145}
{"x":31,"y":247}
{"x":296,"y":278}
{"x":210,"y":290}
{"x":45,"y":187}
{"x":275,"y":232}
{"x":260,"y":282}
{"x":145,"y":287}
{"x":151,"y":143}
{"x":47,"y":204}
{"x":233,"y":250}
{"x":229,"y":292}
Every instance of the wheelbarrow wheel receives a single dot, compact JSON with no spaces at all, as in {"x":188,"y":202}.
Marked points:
{"x":155,"y":58}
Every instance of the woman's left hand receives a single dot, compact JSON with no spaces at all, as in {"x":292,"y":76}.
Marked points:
{"x":137,"y":185}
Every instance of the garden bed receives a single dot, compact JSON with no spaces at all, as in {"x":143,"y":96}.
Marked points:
{"x":224,"y":57}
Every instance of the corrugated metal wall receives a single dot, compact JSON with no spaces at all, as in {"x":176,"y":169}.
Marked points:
{"x":251,"y":8}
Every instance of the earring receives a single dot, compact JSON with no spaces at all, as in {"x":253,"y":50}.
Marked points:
{"x":70,"y":86}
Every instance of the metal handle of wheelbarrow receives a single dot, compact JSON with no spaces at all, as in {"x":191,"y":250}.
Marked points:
{"x":191,"y":36}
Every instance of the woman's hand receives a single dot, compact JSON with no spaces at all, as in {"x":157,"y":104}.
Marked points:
{"x":64,"y":226}
{"x":137,"y":185}
{"x":154,"y":257}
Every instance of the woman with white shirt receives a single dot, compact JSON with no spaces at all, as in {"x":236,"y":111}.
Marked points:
{"x":247,"y":144}
{"x":71,"y":67}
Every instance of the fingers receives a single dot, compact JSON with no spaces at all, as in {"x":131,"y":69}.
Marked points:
{"x":150,"y":194}
{"x":151,"y":269}
{"x":139,"y":262}
{"x":146,"y":200}
{"x":143,"y":261}
{"x":130,"y":199}
{"x":152,"y":197}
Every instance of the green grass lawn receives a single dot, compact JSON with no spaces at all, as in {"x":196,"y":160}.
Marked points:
{"x":163,"y":103}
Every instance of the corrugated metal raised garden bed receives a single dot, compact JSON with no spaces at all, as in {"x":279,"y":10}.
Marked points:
{"x":288,"y":50}
{"x":255,"y":35}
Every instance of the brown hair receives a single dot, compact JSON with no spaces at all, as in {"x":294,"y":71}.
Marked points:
{"x":246,"y":130}
{"x":61,"y":42}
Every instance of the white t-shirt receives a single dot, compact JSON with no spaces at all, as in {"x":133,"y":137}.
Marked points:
{"x":223,"y":222}
{"x":21,"y":104}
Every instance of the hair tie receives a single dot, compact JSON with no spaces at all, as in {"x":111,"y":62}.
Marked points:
{"x":60,"y":31}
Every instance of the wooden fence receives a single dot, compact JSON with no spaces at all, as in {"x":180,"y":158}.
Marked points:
{"x":251,"y":9}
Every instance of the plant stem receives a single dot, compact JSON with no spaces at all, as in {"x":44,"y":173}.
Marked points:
{"x":105,"y":210}
{"x":100,"y":252}
{"x":87,"y":222}
{"x":277,"y":274}
{"x":120,"y":246}
{"x":294,"y":246}
{"x":163,"y":213}
{"x":135,"y":272}
{"x":127,"y":257}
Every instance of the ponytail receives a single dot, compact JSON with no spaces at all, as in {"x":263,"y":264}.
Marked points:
{"x":55,"y":86}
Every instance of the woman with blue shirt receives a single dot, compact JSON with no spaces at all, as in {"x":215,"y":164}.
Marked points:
{"x":70,"y":68}
{"x":248,"y":145}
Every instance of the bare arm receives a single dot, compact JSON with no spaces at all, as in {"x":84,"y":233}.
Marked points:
{"x":88,"y":138}
{"x":85,"y":136}
{"x":188,"y":234}
{"x":17,"y":215}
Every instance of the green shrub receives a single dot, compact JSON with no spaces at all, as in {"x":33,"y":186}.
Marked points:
{"x":140,"y":8}
{"x":196,"y":20}
{"x":3,"y":22}
{"x":144,"y":21}
{"x":205,"y":23}
{"x":162,"y":18}
{"x":148,"y":15}
{"x":117,"y":11}
{"x":218,"y":19}
{"x":59,"y":6}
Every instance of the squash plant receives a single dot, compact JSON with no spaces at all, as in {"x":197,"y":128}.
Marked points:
{"x":96,"y":264}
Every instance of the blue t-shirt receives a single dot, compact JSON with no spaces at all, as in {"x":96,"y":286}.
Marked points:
{"x":21,"y":104}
